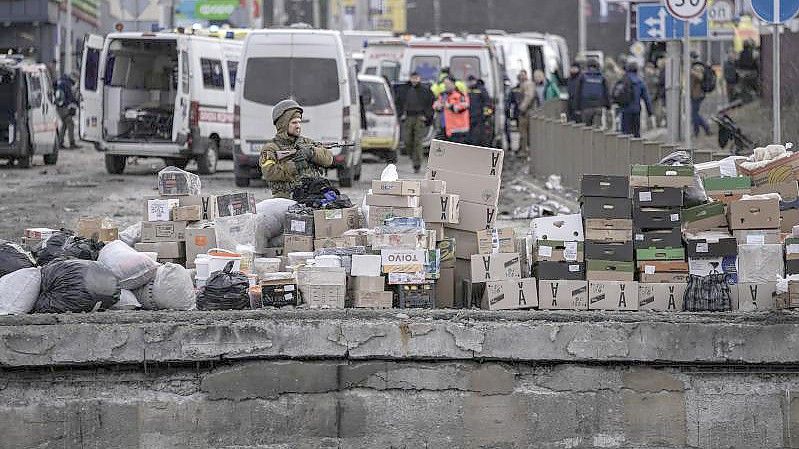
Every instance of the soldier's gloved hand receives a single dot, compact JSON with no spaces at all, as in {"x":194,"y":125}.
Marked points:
{"x":300,"y":159}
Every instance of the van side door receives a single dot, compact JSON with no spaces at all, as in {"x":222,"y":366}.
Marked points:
{"x":50,"y":113}
{"x":36,"y":116}
{"x":91,"y":90}
{"x":180,"y":122}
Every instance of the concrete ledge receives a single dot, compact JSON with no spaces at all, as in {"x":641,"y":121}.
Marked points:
{"x":573,"y":337}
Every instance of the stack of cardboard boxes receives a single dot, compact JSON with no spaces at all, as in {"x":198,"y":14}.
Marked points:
{"x":369,"y":284}
{"x":557,"y":252}
{"x":410,"y":259}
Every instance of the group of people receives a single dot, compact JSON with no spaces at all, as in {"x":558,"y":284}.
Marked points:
{"x":526,"y":96}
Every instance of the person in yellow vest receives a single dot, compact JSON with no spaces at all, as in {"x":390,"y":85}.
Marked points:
{"x":454,"y":106}
{"x":439,"y":88}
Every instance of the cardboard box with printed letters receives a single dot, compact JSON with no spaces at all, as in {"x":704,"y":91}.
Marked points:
{"x":200,"y":237}
{"x":562,"y":295}
{"x":474,"y":217}
{"x":441,"y":208}
{"x":754,"y":214}
{"x":612,"y":295}
{"x":495,"y":267}
{"x":756,"y":296}
{"x":666,"y":297}
{"x":163,"y":231}
{"x":403,"y":187}
{"x":334,"y":222}
{"x":472,"y":188}
{"x":510,"y":294}
{"x":293,"y":243}
{"x":464,"y":158}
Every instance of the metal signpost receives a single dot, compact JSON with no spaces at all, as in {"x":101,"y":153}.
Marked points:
{"x":775,"y":12}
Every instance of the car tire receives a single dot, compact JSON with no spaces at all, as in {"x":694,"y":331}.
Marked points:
{"x":242,"y":182}
{"x":206,"y":163}
{"x":114,"y":164}
{"x":52,"y":158}
{"x":345,"y":177}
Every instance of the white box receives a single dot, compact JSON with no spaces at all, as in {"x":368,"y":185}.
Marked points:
{"x":559,"y":227}
{"x":365,"y":265}
{"x":563,"y":295}
{"x":661,"y":296}
{"x":495,"y":267}
{"x":612,"y":295}
{"x":511,"y":294}
{"x":392,"y":200}
{"x":760,"y":263}
{"x":161,"y":209}
{"x":402,"y":260}
{"x":756,"y":296}
{"x":464,"y":158}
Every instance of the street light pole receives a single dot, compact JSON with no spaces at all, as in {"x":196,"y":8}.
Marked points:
{"x":775,"y":82}
{"x":68,"y":41}
{"x":581,"y":24}
{"x":686,"y":83}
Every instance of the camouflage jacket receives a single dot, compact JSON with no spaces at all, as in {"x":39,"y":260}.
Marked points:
{"x":280,"y":171}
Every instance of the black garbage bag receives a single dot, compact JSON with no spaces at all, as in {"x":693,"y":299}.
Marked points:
{"x":709,"y":293}
{"x":225,"y":290}
{"x":75,"y":285}
{"x":52,"y":248}
{"x":13,"y":258}
{"x":319,"y":193}
{"x":65,"y":243}
{"x":82,"y":248}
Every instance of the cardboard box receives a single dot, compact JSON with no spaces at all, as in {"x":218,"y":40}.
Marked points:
{"x":558,"y":251}
{"x":718,"y":246}
{"x":187,"y":213}
{"x":639,"y":176}
{"x":440,"y":208}
{"x":293,"y":243}
{"x":97,"y":228}
{"x":334,"y":222}
{"x":660,"y":254}
{"x":613,"y":224}
{"x":671,"y":176}
{"x":471,"y":188}
{"x":606,"y":186}
{"x":373,"y":300}
{"x":369,"y":283}
{"x":757,"y":236}
{"x":568,"y":271}
{"x":789,"y":300}
{"x":715,"y":265}
{"x":463,"y":158}
{"x":606,"y":270}
{"x":661,"y":297}
{"x":165,"y":250}
{"x":402,"y":187}
{"x":662,"y":266}
{"x":710,"y":169}
{"x":330,"y":242}
{"x":728,"y":189}
{"x":753,"y":296}
{"x":612,"y":295}
{"x":486,"y":241}
{"x":705,"y":217}
{"x":445,"y":289}
{"x":775,"y":172}
{"x":417,"y":278}
{"x":562,"y":295}
{"x":199,"y":239}
{"x":160,"y":209}
{"x":792,"y":248}
{"x":379,"y":214}
{"x":495,"y":267}
{"x":163,"y":231}
{"x":646,"y":218}
{"x":207,"y":205}
{"x":511,"y":294}
{"x":609,"y":235}
{"x":233,"y":204}
{"x":433,"y":186}
{"x":392,"y":200}
{"x":658,"y":238}
{"x":178,"y":182}
{"x":298,"y":224}
{"x":279,"y":294}
{"x":657,"y":197}
{"x":788,"y":190}
{"x":414,"y":239}
{"x":39,"y":233}
{"x":760,"y":263}
{"x":788,"y":219}
{"x":755,"y":214}
{"x":402,"y":260}
{"x":559,"y":227}
{"x":438,"y":228}
{"x":322,"y":287}
{"x":613,"y":208}
{"x":663,"y":278}
{"x":474,"y":217}
{"x":614,"y":251}
{"x":365,"y":265}
{"x":448,"y":250}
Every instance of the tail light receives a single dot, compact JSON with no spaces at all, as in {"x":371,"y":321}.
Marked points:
{"x":237,"y":122}
{"x":194,"y":114}
{"x":345,"y":127}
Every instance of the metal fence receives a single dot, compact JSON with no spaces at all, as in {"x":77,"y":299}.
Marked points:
{"x":572,"y":149}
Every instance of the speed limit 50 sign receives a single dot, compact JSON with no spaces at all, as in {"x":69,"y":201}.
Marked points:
{"x":686,"y":9}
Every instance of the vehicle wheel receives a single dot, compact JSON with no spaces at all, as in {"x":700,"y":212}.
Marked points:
{"x":52,"y":158}
{"x":345,"y":177}
{"x":114,"y":164}
{"x":242,"y":182}
{"x":391,"y":157}
{"x":206,"y":163}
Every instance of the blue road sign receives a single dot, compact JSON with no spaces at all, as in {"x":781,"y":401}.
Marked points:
{"x":656,"y":24}
{"x":764,"y":9}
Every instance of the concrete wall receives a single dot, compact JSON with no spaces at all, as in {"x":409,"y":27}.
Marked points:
{"x":351,"y":379}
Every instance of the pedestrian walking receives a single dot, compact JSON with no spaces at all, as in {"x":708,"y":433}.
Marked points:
{"x":628,"y":94}
{"x":699,"y":86}
{"x":480,"y":109}
{"x":415,"y":109}
{"x":652,"y":80}
{"x":67,"y":107}
{"x":526,"y":101}
{"x":289,"y":157}
{"x":592,"y":94}
{"x":573,"y":109}
{"x":454,"y":108}
{"x":731,"y":77}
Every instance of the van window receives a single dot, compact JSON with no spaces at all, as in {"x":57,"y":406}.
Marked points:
{"x":184,"y":71}
{"x":390,"y":70}
{"x":427,"y":67}
{"x":92,"y":69}
{"x":310,"y":81}
{"x":213,"y":78}
{"x":375,"y":98}
{"x":35,"y":90}
{"x":463,"y":66}
{"x":370,"y":71}
{"x":232,"y":70}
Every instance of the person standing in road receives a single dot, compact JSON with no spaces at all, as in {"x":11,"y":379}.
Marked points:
{"x":415,"y":109}
{"x":731,"y":75}
{"x":289,"y":157}
{"x":573,"y":110}
{"x":454,"y":107}
{"x":592,"y":94}
{"x":67,"y":107}
{"x":525,"y":101}
{"x":631,"y":92}
{"x":480,"y":108}
{"x":697,"y":97}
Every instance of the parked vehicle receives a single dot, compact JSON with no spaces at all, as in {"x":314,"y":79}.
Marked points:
{"x":382,"y":131}
{"x":167,"y":95}
{"x":531,"y":52}
{"x":28,"y":118}
{"x":311,"y":67}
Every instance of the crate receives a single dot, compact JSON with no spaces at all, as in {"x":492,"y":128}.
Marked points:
{"x":422,"y":296}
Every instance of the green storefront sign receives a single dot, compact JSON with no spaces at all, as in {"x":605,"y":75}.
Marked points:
{"x":215,"y":9}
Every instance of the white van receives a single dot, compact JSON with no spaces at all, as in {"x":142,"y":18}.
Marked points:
{"x":396,"y":59}
{"x":531,"y":52}
{"x":28,"y":118}
{"x":382,"y":132}
{"x":309,"y":66}
{"x":166,"y":95}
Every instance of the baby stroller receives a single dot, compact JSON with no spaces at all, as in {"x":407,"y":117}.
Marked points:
{"x":729,"y":132}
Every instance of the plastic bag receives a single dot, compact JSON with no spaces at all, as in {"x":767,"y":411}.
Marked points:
{"x":708,"y":294}
{"x":269,"y":220}
{"x":76,"y":285}
{"x":172,"y":288}
{"x":52,"y":248}
{"x":19,"y":290}
{"x":174,"y":181}
{"x":127,"y":301}
{"x":82,"y":248}
{"x":13,"y":258}
{"x":389,"y":173}
{"x":236,"y":230}
{"x":132,"y":268}
{"x":225,"y":290}
{"x":694,"y":195}
{"x":131,"y":235}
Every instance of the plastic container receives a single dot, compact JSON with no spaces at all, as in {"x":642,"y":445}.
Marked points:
{"x":247,"y":256}
{"x":264,"y":265}
{"x":218,"y":258}
{"x":201,"y":266}
{"x":328,"y":261}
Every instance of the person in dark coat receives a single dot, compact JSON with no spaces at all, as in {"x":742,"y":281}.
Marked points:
{"x":631,"y":112}
{"x":592,"y":94}
{"x":480,"y":109}
{"x":415,"y":110}
{"x":572,"y":86}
